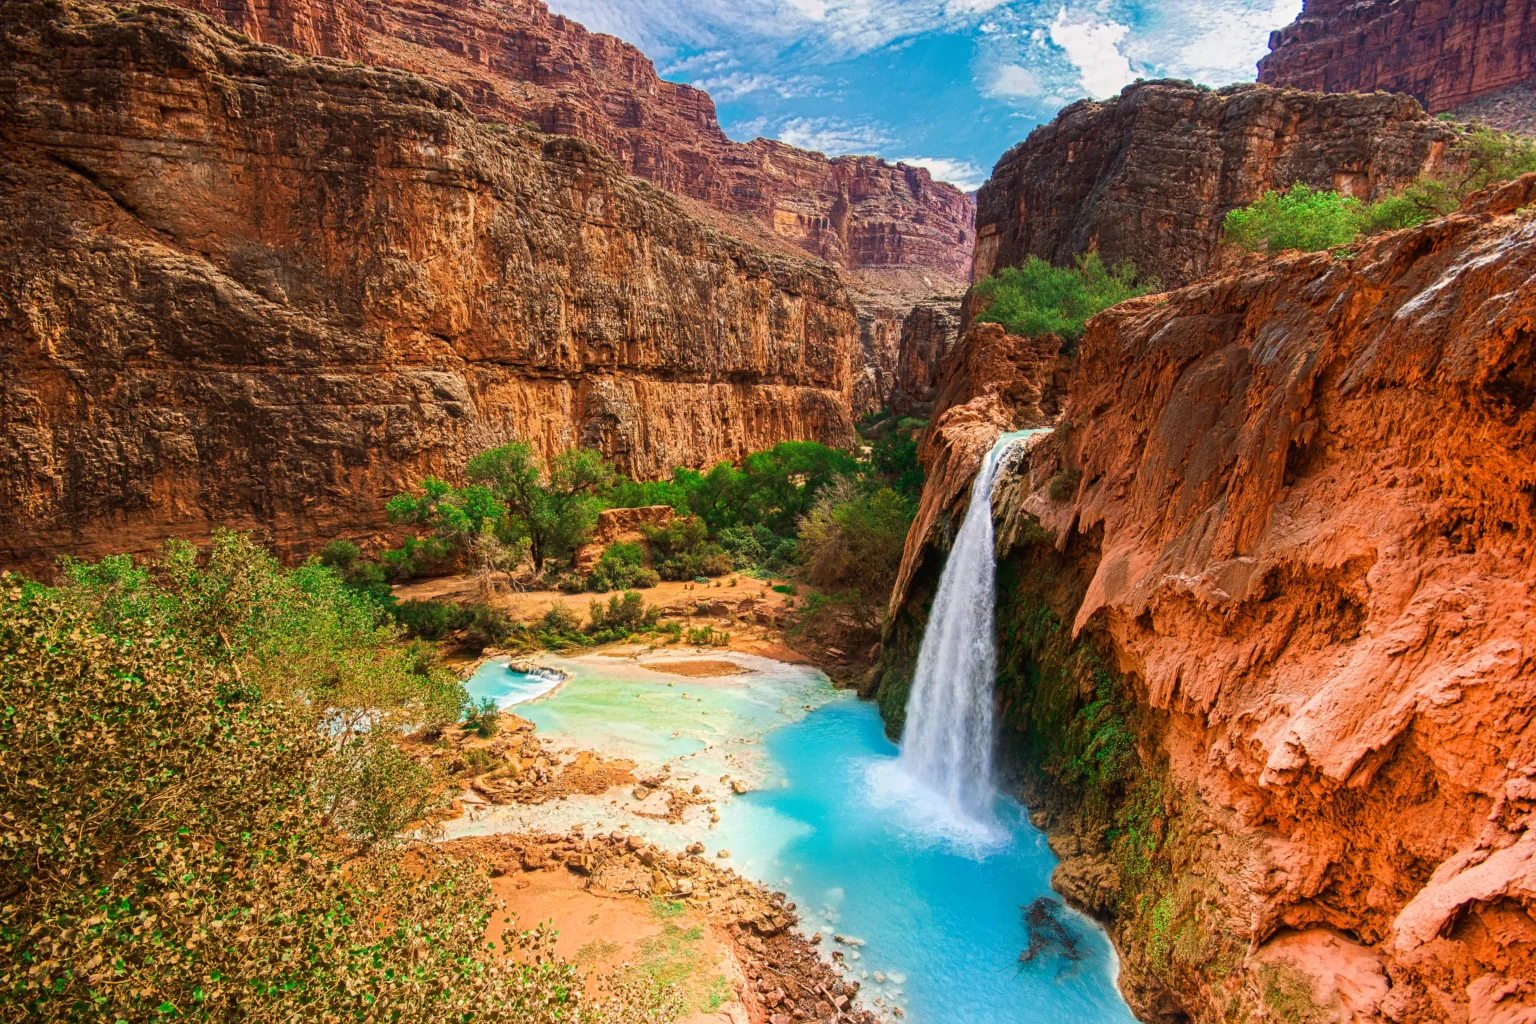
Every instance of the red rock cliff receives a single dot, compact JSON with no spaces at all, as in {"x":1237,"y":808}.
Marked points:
{"x":1299,"y":527}
{"x":1149,"y":175}
{"x":240,"y":287}
{"x":1444,"y":53}
{"x":516,"y":62}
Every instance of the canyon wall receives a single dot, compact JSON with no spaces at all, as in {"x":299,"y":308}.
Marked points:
{"x":1149,"y":175}
{"x":1267,"y":632}
{"x":1445,"y":54}
{"x":514,"y":61}
{"x":928,"y":333}
{"x":241,"y":287}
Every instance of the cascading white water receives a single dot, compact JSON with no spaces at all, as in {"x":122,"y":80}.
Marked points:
{"x":948,"y":740}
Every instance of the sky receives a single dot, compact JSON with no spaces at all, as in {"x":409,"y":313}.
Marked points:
{"x":946,"y":84}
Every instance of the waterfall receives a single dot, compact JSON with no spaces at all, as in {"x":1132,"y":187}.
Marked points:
{"x":948,"y":741}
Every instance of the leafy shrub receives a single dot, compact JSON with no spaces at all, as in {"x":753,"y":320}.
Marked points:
{"x":560,"y":619}
{"x":620,"y":568}
{"x":488,"y":626}
{"x":852,"y":540}
{"x":624,"y":614}
{"x":1309,"y":220}
{"x":482,"y":719}
{"x":179,"y":746}
{"x":431,"y":620}
{"x":1037,"y":298}
{"x":1298,"y":218}
{"x":708,"y":636}
{"x":785,"y":588}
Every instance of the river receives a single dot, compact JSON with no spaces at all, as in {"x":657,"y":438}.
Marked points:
{"x":926,"y":908}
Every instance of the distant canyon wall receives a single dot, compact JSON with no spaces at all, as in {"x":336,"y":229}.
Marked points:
{"x":1148,"y":175}
{"x":1444,"y":53}
{"x":514,"y":61}
{"x":241,"y":287}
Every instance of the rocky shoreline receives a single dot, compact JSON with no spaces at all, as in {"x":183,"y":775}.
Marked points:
{"x":784,"y":979}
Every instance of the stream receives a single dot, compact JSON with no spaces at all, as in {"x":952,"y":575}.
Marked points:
{"x":925,"y":905}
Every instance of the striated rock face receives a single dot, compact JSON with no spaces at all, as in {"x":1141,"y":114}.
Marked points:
{"x":1148,"y":176}
{"x":928,"y":332}
{"x":514,"y":61}
{"x":244,"y":288}
{"x":1283,"y":723}
{"x":1441,"y":52}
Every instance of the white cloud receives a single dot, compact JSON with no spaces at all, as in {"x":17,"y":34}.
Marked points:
{"x":737,"y":84}
{"x":962,"y":174}
{"x":1093,"y":46}
{"x":1009,"y":81}
{"x":832,"y":27}
{"x":832,"y":136}
{"x":1213,"y":41}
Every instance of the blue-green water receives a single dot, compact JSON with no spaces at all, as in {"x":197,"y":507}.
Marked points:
{"x":832,"y":820}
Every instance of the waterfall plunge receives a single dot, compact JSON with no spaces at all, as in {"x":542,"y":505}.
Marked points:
{"x":948,"y":741}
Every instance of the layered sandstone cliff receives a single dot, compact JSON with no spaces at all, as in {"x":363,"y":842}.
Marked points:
{"x":1443,"y":53}
{"x":514,"y":61}
{"x":1149,"y":175}
{"x":240,"y":287}
{"x":1268,"y":639}
{"x":928,"y":333}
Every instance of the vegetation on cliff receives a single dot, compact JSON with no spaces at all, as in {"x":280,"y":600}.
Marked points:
{"x":1311,"y":220}
{"x":1037,"y":298}
{"x":202,"y":809}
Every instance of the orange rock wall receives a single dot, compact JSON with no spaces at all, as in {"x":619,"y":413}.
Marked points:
{"x":244,"y":288}
{"x":1148,"y":176}
{"x":1306,"y":528}
{"x":515,"y":61}
{"x":1444,"y":53}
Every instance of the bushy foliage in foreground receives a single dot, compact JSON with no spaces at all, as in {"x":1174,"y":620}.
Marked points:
{"x":1037,"y":298}
{"x":852,"y":540}
{"x":1312,"y":220}
{"x":200,"y":810}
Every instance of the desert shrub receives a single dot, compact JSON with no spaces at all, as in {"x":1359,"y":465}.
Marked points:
{"x":1037,"y":298}
{"x":621,"y":568}
{"x":625,"y":613}
{"x":1298,"y":218}
{"x":561,"y":619}
{"x":178,"y":748}
{"x":431,"y":620}
{"x":748,"y":546}
{"x":785,"y":588}
{"x":488,"y":626}
{"x":852,"y":541}
{"x":1313,"y":220}
{"x":482,"y":718}
{"x":708,"y":636}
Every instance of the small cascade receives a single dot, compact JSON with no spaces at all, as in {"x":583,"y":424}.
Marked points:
{"x":949,"y":735}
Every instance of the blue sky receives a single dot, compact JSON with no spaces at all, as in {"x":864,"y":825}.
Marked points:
{"x":949,"y":84}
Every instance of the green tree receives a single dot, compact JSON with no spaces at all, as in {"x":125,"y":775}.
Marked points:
{"x":1037,"y":298}
{"x":557,"y":512}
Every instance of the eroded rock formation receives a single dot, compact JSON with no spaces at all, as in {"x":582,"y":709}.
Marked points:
{"x":240,"y":287}
{"x":1443,"y":53}
{"x":928,"y":332}
{"x":1149,"y":175}
{"x":1267,"y":631}
{"x":516,"y":62}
